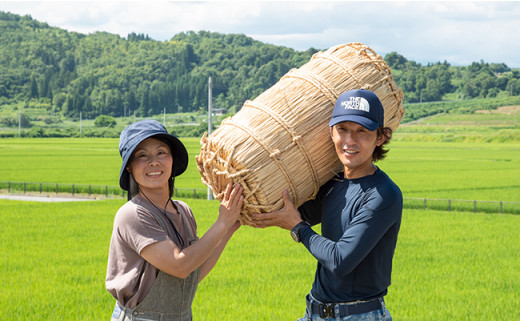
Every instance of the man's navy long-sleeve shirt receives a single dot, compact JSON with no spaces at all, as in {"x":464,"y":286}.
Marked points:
{"x":360,"y":221}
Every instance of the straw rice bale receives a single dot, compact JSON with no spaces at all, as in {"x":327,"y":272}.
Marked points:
{"x":280,"y":140}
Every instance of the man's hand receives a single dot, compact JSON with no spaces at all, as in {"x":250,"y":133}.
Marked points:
{"x":286,"y":218}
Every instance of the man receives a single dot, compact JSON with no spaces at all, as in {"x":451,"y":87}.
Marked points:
{"x":360,"y":214}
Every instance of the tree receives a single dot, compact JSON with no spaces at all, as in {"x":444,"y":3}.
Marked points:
{"x":15,"y":120}
{"x":394,"y":60}
{"x":104,"y":121}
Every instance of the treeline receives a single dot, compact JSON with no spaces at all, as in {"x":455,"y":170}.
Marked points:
{"x":67,"y":73}
{"x":440,"y":81}
{"x":104,"y":74}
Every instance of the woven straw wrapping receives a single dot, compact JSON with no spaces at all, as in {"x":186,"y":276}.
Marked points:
{"x":281,"y":139}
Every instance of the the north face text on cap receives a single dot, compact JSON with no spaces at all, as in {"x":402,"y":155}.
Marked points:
{"x":356,"y":103}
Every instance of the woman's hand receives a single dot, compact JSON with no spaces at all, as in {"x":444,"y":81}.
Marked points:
{"x":204,"y":253}
{"x":231,"y":205}
{"x":286,"y":218}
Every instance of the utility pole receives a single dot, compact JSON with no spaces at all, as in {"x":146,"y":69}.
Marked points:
{"x":80,"y":123}
{"x":210,"y":85}
{"x":19,"y":124}
{"x":210,"y":103}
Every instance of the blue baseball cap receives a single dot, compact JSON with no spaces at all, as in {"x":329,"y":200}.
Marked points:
{"x":359,"y":106}
{"x":135,"y":133}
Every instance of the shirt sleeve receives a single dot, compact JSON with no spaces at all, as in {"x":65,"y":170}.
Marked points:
{"x":311,"y":211}
{"x":366,"y":229}
{"x":139,"y":229}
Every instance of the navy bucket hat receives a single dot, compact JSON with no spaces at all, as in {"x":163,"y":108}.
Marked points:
{"x":360,"y":106}
{"x":135,"y":133}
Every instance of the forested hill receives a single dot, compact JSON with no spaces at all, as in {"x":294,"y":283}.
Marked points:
{"x":105,"y":74}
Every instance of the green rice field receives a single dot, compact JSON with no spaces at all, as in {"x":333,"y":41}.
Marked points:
{"x":445,"y":170}
{"x":93,"y":161}
{"x":447,"y":266}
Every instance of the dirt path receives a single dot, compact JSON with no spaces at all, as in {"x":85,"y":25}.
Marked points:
{"x":42,"y":198}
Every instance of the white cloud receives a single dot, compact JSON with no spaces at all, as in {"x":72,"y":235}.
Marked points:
{"x":459,"y":32}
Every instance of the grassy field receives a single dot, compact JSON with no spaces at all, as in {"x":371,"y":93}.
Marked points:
{"x":481,"y":171}
{"x":487,"y":126}
{"x":464,"y":152}
{"x":76,"y":161}
{"x":468,"y":156}
{"x":447,"y":266}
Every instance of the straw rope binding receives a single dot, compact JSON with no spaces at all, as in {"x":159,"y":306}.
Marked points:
{"x":280,"y":140}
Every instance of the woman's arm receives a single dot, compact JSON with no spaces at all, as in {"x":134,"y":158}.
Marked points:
{"x":212,"y":260}
{"x":167,"y":257}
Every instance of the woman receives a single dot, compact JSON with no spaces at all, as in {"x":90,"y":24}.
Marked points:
{"x":155,"y":259}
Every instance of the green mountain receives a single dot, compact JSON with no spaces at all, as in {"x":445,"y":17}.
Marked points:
{"x":104,"y":74}
{"x":65,"y":73}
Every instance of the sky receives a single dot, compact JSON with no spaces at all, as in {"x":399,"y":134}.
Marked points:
{"x":459,"y":32}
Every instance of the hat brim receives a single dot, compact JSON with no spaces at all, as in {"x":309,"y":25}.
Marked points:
{"x":361,"y":120}
{"x":178,"y":151}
